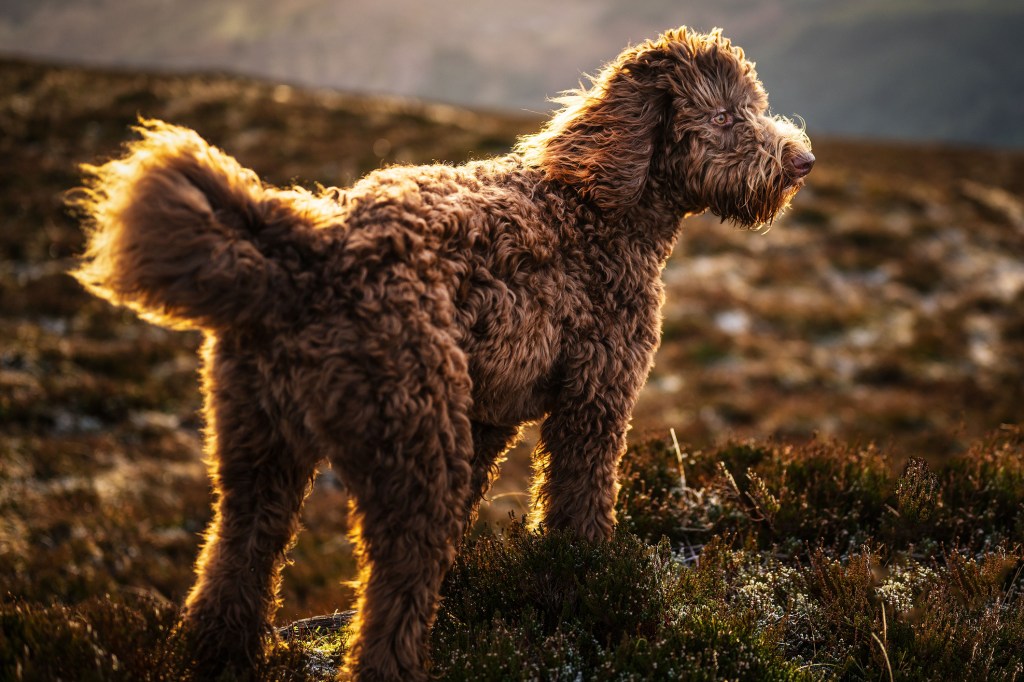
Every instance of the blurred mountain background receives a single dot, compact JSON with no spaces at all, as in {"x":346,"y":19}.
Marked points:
{"x":948,"y":70}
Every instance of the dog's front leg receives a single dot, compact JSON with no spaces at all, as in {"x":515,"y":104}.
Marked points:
{"x":582,"y":440}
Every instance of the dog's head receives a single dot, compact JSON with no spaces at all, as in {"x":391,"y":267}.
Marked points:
{"x":682,"y":120}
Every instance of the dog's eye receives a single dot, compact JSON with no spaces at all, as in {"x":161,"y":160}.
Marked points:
{"x":722,"y":118}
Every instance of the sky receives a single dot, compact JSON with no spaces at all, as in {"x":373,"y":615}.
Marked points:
{"x":936,"y":70}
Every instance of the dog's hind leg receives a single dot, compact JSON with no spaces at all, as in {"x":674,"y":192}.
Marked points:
{"x":408,"y":472}
{"x":260,"y":481}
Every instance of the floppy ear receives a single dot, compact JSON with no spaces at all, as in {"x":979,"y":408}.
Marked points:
{"x":603,"y":139}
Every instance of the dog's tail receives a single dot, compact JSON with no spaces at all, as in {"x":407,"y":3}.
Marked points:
{"x":180,"y":232}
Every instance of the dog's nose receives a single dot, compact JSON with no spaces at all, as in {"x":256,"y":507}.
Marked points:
{"x":801,"y":164}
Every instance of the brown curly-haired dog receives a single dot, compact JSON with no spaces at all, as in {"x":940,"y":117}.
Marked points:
{"x":404,"y":328}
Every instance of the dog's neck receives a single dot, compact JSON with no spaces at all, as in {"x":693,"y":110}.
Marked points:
{"x":654,"y":221}
{"x":658,"y":216}
{"x":659,"y":231}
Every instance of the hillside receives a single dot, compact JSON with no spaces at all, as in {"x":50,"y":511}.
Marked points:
{"x":914,"y":69}
{"x":888,"y":305}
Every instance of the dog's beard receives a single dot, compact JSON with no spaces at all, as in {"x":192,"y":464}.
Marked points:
{"x":763,"y":200}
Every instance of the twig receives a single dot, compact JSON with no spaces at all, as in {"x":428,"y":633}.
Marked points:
{"x":885,"y":635}
{"x":679,"y":458}
{"x":317,"y":624}
{"x":513,"y":493}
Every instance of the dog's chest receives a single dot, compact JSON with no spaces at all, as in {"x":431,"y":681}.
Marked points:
{"x":512,"y":351}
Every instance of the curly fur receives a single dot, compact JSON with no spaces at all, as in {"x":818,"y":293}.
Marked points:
{"x":406,"y":327}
